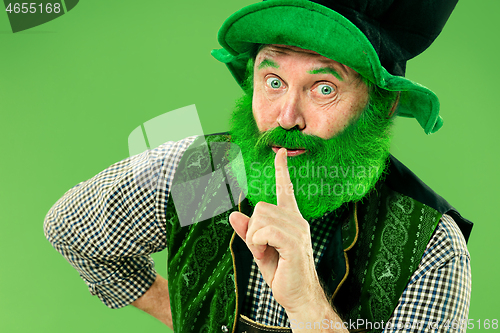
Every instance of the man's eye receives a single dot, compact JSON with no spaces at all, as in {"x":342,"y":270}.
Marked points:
{"x":325,"y":89}
{"x":273,"y":83}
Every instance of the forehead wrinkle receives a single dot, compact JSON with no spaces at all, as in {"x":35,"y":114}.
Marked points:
{"x":273,"y":51}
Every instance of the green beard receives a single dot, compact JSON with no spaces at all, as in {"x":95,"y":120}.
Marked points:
{"x":331,"y":172}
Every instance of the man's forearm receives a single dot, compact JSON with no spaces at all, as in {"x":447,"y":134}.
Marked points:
{"x":320,"y":319}
{"x":156,"y":301}
{"x":317,"y":317}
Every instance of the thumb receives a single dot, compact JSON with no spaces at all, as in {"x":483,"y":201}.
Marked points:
{"x":239,"y":222}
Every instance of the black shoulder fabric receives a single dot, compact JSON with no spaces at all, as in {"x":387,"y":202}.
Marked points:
{"x":402,"y":180}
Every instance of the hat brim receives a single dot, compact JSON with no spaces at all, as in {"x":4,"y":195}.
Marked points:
{"x":311,"y":26}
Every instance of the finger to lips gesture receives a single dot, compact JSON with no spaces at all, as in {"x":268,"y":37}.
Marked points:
{"x":280,"y":241}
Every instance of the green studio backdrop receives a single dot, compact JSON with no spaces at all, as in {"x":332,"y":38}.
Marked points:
{"x":73,"y":89}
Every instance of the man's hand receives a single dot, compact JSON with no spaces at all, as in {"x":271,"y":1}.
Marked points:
{"x":280,"y":241}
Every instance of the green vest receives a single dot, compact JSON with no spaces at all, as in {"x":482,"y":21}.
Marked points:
{"x":365,"y":267}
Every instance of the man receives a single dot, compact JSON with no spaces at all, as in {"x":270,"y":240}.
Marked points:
{"x":332,"y":228}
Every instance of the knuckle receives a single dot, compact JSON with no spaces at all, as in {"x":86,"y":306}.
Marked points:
{"x":305,"y":225}
{"x":260,"y":207}
{"x":285,"y":188}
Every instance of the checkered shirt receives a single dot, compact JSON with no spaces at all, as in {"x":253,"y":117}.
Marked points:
{"x":107,"y":227}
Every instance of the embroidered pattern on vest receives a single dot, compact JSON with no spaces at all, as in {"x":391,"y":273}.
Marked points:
{"x":200,"y":267}
{"x":394,"y":232}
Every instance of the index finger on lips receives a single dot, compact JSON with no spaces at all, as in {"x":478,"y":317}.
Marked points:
{"x":284,"y":187}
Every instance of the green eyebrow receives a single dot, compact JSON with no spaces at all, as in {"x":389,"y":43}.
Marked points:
{"x":326,"y":70}
{"x":268,"y":63}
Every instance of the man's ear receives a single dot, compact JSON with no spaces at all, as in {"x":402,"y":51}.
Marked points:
{"x":394,"y":106}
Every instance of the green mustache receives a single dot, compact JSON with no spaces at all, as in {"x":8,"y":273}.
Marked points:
{"x":292,"y":138}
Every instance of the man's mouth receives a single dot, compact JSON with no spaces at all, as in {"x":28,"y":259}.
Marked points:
{"x":290,"y":151}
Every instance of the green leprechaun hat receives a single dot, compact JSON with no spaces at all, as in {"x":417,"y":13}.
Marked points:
{"x":373,"y":37}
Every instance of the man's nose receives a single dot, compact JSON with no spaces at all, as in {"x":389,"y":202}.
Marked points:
{"x":291,"y":113}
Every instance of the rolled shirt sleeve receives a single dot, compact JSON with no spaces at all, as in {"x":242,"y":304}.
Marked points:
{"x":107,"y":226}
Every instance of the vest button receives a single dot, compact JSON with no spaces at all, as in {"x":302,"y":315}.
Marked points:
{"x":224,"y":329}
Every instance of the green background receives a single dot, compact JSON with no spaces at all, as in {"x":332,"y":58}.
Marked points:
{"x":73,"y":89}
